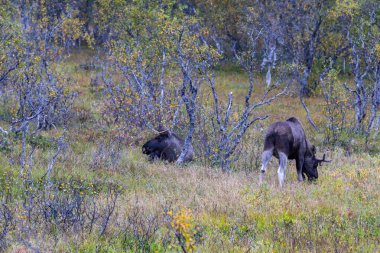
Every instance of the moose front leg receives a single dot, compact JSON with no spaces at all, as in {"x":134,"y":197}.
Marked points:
{"x":299,"y":165}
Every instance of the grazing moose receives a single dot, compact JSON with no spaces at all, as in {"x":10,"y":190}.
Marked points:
{"x":287,"y":140}
{"x":166,"y":146}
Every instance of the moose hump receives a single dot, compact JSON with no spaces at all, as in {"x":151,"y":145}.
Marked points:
{"x":166,"y":146}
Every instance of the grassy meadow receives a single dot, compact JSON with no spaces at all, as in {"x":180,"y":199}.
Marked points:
{"x":140,"y":206}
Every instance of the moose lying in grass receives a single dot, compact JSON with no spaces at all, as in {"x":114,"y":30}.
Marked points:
{"x":287,"y":140}
{"x":166,"y":146}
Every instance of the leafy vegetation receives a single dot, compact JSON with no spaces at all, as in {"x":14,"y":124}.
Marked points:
{"x":84,"y":83}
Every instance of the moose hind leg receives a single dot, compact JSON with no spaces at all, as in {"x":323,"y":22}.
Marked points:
{"x":283,"y":161}
{"x":267,"y":154}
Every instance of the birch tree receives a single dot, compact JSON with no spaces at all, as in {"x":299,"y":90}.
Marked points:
{"x":35,"y":94}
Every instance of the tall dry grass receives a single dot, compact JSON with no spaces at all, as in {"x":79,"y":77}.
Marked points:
{"x":165,"y":208}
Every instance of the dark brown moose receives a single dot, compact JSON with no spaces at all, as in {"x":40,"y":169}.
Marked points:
{"x":166,"y":146}
{"x":287,"y":140}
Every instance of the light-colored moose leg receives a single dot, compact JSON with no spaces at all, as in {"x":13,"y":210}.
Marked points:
{"x":267,"y":154}
{"x":283,"y":161}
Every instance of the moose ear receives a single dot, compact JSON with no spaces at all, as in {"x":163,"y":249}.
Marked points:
{"x":163,"y":130}
{"x":313,"y":150}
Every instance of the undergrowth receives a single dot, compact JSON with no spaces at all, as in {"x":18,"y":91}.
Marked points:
{"x":105,"y":196}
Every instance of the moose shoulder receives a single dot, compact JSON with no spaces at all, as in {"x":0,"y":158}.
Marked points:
{"x":166,"y":146}
{"x":287,"y":140}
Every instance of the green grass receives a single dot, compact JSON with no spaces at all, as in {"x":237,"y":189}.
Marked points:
{"x":229,"y":212}
{"x":339,"y":213}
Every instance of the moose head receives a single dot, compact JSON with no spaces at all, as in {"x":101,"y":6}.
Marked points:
{"x":310,"y":166}
{"x":166,"y":146}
